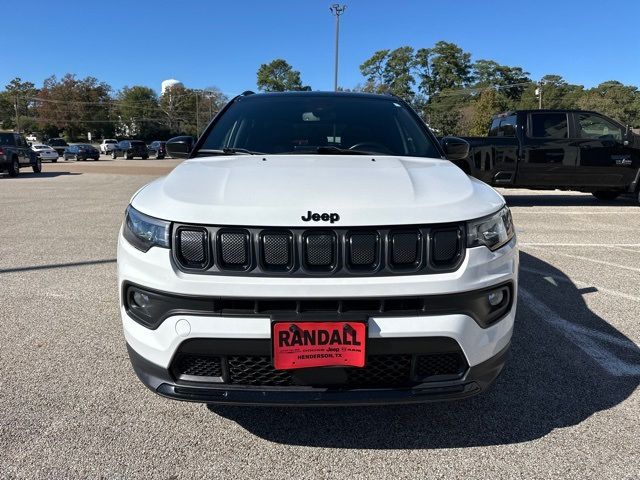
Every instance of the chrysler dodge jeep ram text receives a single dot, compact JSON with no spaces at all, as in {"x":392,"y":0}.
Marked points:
{"x":317,"y":248}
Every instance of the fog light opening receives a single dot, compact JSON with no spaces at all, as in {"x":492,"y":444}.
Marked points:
{"x":141,"y":301}
{"x":496,"y":298}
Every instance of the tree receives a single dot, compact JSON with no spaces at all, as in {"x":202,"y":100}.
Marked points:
{"x":443,"y":67}
{"x":76,"y":106}
{"x":557,"y":93}
{"x":373,"y":69}
{"x":188,"y":111}
{"x":615,"y":100}
{"x":511,"y":81}
{"x":279,"y":76}
{"x":17,"y":109}
{"x":487,"y":104}
{"x":139,"y":112}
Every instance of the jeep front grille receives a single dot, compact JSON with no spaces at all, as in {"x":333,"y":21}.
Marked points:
{"x":277,"y":251}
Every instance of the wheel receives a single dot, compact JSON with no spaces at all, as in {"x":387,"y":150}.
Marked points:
{"x":37,"y":168}
{"x":14,"y":168}
{"x":113,"y":154}
{"x":606,"y":195}
{"x":145,"y":157}
{"x":54,"y":160}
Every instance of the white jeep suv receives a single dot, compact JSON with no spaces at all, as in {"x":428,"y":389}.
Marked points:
{"x":317,"y":248}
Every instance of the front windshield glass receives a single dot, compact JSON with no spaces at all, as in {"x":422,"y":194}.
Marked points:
{"x":305,"y":123}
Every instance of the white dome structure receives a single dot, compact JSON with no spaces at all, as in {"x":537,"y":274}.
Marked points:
{"x":170,"y":83}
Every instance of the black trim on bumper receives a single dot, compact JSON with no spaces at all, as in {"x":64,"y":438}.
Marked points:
{"x":477,"y":379}
{"x":471,"y":303}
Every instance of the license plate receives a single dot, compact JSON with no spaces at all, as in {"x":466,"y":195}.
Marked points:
{"x":318,"y":344}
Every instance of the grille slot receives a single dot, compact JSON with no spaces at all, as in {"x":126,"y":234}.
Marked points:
{"x":277,"y":250}
{"x":405,"y":249}
{"x":382,"y":371}
{"x":320,"y":250}
{"x":256,"y":370}
{"x":234,"y":249}
{"x":198,"y":366}
{"x":445,"y":246}
{"x":440,"y":364}
{"x":363,"y":250}
{"x":192,"y":246}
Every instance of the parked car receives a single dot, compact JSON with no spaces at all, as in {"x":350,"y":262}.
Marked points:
{"x":130,"y":149}
{"x":81,"y":151}
{"x":557,"y":149}
{"x":45,"y":152}
{"x":107,"y":145}
{"x":332,"y":257}
{"x":15,"y":154}
{"x":157,"y":149}
{"x":58,"y":144}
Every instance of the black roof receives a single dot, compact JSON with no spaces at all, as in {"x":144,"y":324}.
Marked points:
{"x":544,"y":110}
{"x":319,"y":94}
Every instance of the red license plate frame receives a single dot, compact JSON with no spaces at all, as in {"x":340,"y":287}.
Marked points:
{"x":294,"y":345}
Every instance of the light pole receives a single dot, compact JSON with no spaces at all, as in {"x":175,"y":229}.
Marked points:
{"x":337,"y":10}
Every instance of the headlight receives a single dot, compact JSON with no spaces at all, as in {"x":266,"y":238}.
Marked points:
{"x":493,"y":231}
{"x":144,"y":232}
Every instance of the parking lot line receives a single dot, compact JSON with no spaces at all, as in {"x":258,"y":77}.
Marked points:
{"x":580,"y":284}
{"x":606,"y":245}
{"x":579,"y":257}
{"x":592,"y":342}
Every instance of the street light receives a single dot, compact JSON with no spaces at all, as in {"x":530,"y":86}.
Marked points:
{"x":337,"y":10}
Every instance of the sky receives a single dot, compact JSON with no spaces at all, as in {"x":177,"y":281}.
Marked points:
{"x":206,"y":43}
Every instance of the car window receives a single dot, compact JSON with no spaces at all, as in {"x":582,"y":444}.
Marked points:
{"x":493,"y":130}
{"x":302,"y":123}
{"x":507,"y":127}
{"x":6,"y":139}
{"x":548,"y":125}
{"x":595,"y":127}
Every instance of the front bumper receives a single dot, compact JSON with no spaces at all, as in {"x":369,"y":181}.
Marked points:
{"x":153,"y":352}
{"x":477,"y":379}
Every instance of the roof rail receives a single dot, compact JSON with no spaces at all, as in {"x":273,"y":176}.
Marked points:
{"x":246,"y":93}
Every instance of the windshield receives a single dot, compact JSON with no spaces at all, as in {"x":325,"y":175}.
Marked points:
{"x":110,"y":141}
{"x":310,"y":123}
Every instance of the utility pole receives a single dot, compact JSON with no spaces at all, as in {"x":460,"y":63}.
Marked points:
{"x":15,"y":105}
{"x":337,"y":10}
{"x":197,"y":116}
{"x":540,"y":95}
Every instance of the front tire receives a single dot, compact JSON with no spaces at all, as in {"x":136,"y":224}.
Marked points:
{"x":14,"y":168}
{"x":606,"y":195}
{"x":37,"y":168}
{"x":113,"y":155}
{"x":145,"y":157}
{"x":54,"y":160}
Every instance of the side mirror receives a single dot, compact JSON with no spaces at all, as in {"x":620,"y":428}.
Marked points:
{"x":455,"y":148}
{"x":180,"y":147}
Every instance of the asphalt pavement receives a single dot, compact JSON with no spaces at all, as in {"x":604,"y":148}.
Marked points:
{"x":567,"y":405}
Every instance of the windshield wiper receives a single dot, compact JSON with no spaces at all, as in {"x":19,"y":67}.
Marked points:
{"x":228,"y":151}
{"x":329,"y":150}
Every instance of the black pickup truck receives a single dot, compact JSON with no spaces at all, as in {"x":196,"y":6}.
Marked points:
{"x":15,"y":154}
{"x":557,"y":149}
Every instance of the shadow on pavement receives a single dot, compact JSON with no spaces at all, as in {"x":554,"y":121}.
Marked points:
{"x":548,"y":383}
{"x":586,"y":200}
{"x":30,"y":175}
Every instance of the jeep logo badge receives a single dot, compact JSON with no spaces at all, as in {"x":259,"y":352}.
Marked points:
{"x":325,"y":217}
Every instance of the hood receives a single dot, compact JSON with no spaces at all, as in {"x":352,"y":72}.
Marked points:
{"x":278,"y":190}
